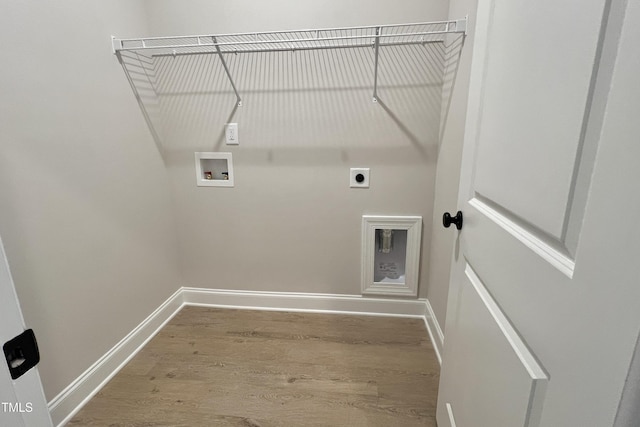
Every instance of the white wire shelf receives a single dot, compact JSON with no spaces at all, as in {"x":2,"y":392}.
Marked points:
{"x":281,"y":41}
{"x":275,"y":41}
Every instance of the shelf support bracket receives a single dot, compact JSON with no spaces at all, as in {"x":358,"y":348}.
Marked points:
{"x":461,"y":25}
{"x":375,"y":72}
{"x":226,"y":70}
{"x":115,"y":45}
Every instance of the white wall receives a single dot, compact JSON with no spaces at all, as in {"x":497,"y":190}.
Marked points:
{"x":85,"y":211}
{"x":174,"y":17}
{"x":84,"y":207}
{"x":292,"y":223}
{"x":455,"y":91}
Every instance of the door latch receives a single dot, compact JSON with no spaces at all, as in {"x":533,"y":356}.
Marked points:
{"x":21,"y":353}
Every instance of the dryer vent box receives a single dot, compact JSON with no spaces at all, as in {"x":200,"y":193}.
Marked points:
{"x":390,"y":254}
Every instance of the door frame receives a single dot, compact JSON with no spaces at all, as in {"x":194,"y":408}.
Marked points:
{"x":30,"y":405}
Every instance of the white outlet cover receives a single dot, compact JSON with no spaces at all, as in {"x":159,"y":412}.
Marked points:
{"x":354,"y":172}
{"x":231,"y":134}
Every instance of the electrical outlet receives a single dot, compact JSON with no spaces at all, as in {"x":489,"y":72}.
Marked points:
{"x":359,"y":178}
{"x":231,"y":133}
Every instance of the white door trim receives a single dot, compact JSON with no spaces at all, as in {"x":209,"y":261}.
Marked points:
{"x":23,"y":399}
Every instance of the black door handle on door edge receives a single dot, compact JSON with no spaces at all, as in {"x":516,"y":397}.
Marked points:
{"x":447,"y":220}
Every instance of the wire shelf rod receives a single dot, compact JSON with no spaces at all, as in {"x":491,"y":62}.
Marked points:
{"x":305,"y":40}
{"x":289,"y":49}
{"x":254,"y":33}
{"x":119,"y":44}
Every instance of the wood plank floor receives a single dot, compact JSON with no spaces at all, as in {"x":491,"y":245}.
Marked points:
{"x":210,"y":367}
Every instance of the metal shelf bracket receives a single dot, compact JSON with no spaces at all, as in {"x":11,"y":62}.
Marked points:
{"x":226,"y":70}
{"x":115,"y":45}
{"x":375,"y":72}
{"x":461,"y":25}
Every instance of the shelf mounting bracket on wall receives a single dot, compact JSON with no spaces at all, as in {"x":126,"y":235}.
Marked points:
{"x":226,"y":70}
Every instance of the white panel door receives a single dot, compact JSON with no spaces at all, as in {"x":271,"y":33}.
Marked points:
{"x":543,"y":312}
{"x":498,"y":370}
{"x":22,"y":401}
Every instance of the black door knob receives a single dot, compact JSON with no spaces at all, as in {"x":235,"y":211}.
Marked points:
{"x":447,"y":220}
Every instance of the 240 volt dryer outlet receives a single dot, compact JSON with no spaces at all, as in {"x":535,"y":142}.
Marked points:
{"x":359,"y":178}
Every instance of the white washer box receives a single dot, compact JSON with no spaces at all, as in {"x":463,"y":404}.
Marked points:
{"x":214,"y":169}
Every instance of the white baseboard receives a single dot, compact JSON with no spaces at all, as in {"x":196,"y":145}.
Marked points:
{"x":303,"y":302}
{"x":70,"y":400}
{"x":66,"y":404}
{"x":434,"y":329}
